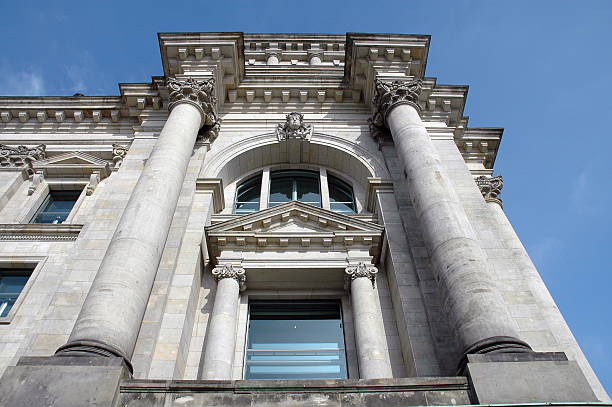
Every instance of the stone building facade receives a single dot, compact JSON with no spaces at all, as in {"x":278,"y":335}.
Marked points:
{"x":279,"y":219}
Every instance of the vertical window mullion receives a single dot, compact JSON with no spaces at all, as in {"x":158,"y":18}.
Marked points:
{"x":324,"y":188}
{"x":264,"y":199}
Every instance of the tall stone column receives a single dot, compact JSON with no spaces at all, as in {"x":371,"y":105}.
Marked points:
{"x":476,"y":309}
{"x":110,"y":319}
{"x":221,"y":337}
{"x":367,"y":319}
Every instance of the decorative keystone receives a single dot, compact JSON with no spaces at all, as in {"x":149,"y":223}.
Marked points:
{"x":389,"y":95}
{"x":229,"y":271}
{"x":361,"y":270}
{"x":21,"y":156}
{"x":490,"y":188}
{"x":200,"y":94}
{"x":294,"y":128}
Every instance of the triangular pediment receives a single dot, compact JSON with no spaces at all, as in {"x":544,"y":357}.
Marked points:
{"x":294,"y":217}
{"x":294,"y":224}
{"x":73,"y":162}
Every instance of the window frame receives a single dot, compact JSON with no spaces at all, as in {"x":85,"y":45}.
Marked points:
{"x":341,"y":301}
{"x":34,"y":265}
{"x":38,"y":198}
{"x":266,"y":179}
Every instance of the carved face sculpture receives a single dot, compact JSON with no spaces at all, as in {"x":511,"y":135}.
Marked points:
{"x":294,"y":120}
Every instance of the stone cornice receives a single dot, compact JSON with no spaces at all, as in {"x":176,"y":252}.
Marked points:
{"x":479,"y":145}
{"x":42,"y":232}
{"x":55,"y":109}
{"x":204,"y":55}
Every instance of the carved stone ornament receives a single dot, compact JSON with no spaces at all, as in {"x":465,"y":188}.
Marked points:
{"x":359,"y":271}
{"x":119,"y":153}
{"x":294,"y":128}
{"x":229,"y":271}
{"x":21,"y":156}
{"x":490,"y":188}
{"x":201,"y":94}
{"x":387,"y":96}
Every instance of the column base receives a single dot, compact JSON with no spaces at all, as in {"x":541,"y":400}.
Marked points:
{"x":89,"y":348}
{"x":494,"y":344}
{"x":534,"y":377}
{"x":63,"y":381}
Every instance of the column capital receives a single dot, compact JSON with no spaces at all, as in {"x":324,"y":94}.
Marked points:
{"x":201,"y":95}
{"x":229,"y":271}
{"x":388,"y":95}
{"x":361,"y":270}
{"x":490,"y":188}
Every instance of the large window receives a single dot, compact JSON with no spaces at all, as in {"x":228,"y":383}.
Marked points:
{"x":295,"y":340}
{"x":278,"y":187}
{"x":56,"y":207}
{"x":12,"y":282}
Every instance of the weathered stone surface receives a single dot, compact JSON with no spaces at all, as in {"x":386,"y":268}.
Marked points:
{"x":62,"y":382}
{"x":377,"y":392}
{"x":527,"y":378}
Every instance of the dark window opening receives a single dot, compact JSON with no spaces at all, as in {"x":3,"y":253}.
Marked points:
{"x":56,"y":207}
{"x":295,"y":340}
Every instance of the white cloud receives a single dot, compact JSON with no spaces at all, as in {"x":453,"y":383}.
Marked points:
{"x":585,"y":196}
{"x":25,"y":83}
{"x":541,"y":251}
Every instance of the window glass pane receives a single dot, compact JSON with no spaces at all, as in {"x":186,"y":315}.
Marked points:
{"x":299,"y":185}
{"x":57,"y":206}
{"x":308,"y":191}
{"x":281,"y":190}
{"x":295,"y":340}
{"x":341,"y":196}
{"x":342,"y":207}
{"x":11,"y":285}
{"x":247,"y":196}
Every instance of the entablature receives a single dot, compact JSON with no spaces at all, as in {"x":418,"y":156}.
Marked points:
{"x":294,"y":227}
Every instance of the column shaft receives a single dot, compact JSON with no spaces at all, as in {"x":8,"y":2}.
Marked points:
{"x":110,"y":319}
{"x":477,"y":312}
{"x":369,"y":330}
{"x":221,"y":335}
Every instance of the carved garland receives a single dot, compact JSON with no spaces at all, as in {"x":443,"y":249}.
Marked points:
{"x":21,"y":156}
{"x":201,"y":94}
{"x":229,"y":271}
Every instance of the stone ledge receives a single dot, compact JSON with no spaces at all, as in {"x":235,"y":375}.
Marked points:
{"x":347,"y":385}
{"x":36,"y":231}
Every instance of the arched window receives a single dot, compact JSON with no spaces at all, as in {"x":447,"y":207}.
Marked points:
{"x":317,"y":188}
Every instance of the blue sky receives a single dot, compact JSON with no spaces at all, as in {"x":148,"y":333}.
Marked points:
{"x":540,"y":69}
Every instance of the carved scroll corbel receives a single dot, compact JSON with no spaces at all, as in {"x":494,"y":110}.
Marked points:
{"x":37,"y":179}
